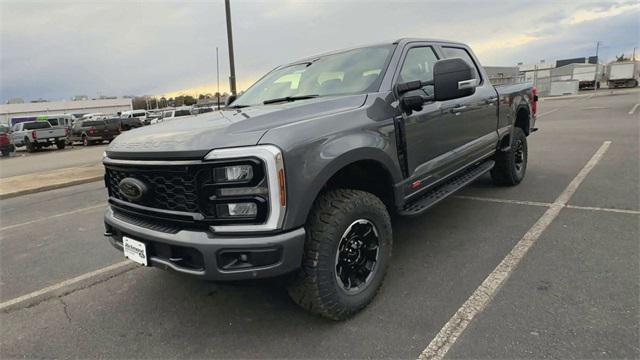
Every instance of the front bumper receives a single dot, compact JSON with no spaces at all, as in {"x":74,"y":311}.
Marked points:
{"x":210,"y":256}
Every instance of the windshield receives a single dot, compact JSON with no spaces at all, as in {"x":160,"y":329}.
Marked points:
{"x":349,"y":72}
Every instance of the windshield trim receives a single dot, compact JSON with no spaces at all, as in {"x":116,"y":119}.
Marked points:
{"x":375,"y":87}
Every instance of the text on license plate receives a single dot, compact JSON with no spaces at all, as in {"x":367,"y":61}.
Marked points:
{"x":135,"y":250}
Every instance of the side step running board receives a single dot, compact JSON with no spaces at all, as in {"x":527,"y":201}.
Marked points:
{"x":441,"y":191}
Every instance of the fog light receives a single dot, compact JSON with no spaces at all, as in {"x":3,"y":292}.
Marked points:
{"x":235,"y":173}
{"x":237,"y":210}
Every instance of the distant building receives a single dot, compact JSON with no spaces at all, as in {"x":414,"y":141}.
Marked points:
{"x":108,"y":106}
{"x":80,"y":98}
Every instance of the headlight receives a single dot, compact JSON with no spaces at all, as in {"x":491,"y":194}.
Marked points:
{"x":235,"y":173}
{"x":248,"y":188}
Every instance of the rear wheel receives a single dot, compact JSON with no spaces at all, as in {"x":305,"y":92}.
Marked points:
{"x":347,"y":251}
{"x":60,"y":144}
{"x":31,"y":147}
{"x":85,"y":141}
{"x":6,"y":152}
{"x":511,"y":165}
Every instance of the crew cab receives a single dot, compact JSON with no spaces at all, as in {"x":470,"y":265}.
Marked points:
{"x":37,"y":134}
{"x":91,"y":132}
{"x":298,"y":176}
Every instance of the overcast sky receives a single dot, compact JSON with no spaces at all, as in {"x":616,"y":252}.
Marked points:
{"x":57,"y":49}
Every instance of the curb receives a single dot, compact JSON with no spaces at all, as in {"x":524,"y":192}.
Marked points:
{"x":50,"y":187}
{"x":50,"y":180}
{"x":67,"y":287}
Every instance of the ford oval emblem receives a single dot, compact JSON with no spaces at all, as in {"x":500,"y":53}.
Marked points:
{"x":132,"y":189}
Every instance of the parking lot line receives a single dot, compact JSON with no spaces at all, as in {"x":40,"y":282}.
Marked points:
{"x":593,"y":208}
{"x":68,"y":286}
{"x":633,"y":109}
{"x":504,"y":201}
{"x":548,"y":112}
{"x":482,"y":296}
{"x":9,"y":227}
{"x":544,"y":204}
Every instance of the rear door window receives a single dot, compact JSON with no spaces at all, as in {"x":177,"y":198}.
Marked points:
{"x":454,"y":52}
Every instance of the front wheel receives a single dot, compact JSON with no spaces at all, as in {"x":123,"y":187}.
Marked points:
{"x":85,"y":141}
{"x":346,"y":254}
{"x":511,"y":165}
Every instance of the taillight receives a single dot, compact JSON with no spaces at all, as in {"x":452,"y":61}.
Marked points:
{"x":4,"y":138}
{"x":91,"y":131}
{"x":34,"y":135}
{"x":66,"y":132}
{"x":534,"y":100}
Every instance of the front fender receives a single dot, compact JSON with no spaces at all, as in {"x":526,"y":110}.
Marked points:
{"x":310,"y":167}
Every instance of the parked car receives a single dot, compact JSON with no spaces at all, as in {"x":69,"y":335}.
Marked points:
{"x":6,"y":146}
{"x":35,"y":135}
{"x":91,"y":132}
{"x":301,"y":172}
{"x":119,"y":125}
{"x":134,"y":118}
{"x":172,"y":115}
{"x":201,"y":110}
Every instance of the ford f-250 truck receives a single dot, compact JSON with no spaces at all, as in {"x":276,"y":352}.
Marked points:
{"x":299,"y":174}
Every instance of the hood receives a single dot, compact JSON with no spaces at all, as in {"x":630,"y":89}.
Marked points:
{"x":192,"y":137}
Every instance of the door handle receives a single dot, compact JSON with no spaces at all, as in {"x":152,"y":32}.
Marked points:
{"x":458,"y":108}
{"x":491,"y":100}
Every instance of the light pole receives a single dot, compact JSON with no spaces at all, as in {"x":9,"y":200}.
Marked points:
{"x":232,"y":67}
{"x":218,"y":77}
{"x":595,"y":80}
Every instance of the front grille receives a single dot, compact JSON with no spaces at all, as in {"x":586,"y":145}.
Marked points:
{"x":184,"y":195}
{"x":171,"y":188}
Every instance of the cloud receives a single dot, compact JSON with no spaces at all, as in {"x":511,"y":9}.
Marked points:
{"x":59,"y":49}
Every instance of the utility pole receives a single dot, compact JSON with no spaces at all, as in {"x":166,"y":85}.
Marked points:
{"x":232,"y":66}
{"x":218,"y":76}
{"x":634,"y":54}
{"x":595,"y":80}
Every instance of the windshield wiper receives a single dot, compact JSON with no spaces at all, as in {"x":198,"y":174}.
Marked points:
{"x":289,"y":99}
{"x":237,"y":106}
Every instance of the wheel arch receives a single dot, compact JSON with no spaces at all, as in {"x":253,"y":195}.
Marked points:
{"x":367,"y":169}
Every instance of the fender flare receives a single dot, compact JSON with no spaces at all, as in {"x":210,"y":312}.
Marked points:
{"x":320,"y":180}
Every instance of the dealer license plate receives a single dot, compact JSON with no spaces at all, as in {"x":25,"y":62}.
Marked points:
{"x":135,"y":250}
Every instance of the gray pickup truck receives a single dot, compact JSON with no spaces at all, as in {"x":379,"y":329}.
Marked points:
{"x":298,"y":176}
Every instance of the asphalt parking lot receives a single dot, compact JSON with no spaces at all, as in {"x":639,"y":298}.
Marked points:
{"x":573,"y":294}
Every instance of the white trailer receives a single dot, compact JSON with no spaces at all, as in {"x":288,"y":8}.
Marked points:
{"x":623,"y":74}
{"x":586,"y":74}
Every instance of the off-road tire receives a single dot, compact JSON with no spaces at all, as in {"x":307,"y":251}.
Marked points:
{"x":506,"y":171}
{"x":60,"y":144}
{"x":315,"y":287}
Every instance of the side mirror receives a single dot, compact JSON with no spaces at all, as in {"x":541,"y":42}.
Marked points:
{"x":452,"y":79}
{"x":230,"y":99}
